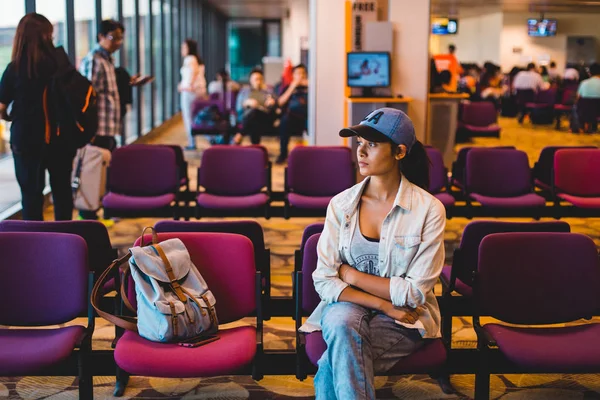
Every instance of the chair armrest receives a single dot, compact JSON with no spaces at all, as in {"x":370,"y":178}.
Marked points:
{"x":298,"y":297}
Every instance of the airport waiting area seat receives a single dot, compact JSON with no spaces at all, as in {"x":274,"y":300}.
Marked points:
{"x":143,"y":181}
{"x":528,"y":281}
{"x":314,"y":175}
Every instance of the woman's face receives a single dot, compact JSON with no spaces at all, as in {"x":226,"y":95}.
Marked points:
{"x":184,"y":49}
{"x":256,"y":80}
{"x":378,"y":158}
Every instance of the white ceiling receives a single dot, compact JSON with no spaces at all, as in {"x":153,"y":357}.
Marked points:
{"x":278,"y":8}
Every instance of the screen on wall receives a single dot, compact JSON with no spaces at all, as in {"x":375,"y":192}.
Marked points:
{"x":368,"y":69}
{"x":444,"y":26}
{"x":541,"y":27}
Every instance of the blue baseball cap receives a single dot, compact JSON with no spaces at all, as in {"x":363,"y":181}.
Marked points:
{"x":382,"y":125}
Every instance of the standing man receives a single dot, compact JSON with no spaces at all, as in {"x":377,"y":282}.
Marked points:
{"x":98,"y":66}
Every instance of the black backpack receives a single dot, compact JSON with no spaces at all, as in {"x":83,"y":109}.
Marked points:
{"x":75,"y":103}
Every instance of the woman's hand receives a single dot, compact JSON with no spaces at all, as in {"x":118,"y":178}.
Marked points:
{"x":401,"y":314}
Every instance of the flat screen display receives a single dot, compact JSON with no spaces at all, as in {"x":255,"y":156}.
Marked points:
{"x":368,"y":69}
{"x":444,"y":26}
{"x":541,"y":27}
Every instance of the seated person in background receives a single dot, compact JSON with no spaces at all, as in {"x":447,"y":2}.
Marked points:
{"x":294,"y":105}
{"x":590,"y":88}
{"x":216,"y":86}
{"x":491,"y":86}
{"x":255,"y":108}
{"x":553,"y":73}
{"x":529,"y":79}
{"x":445,"y":79}
{"x":571,"y":78}
{"x":544,"y":73}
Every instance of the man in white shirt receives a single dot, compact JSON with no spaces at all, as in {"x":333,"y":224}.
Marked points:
{"x":528,"y":79}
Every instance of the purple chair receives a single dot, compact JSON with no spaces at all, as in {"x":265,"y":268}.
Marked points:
{"x":544,"y":167}
{"x":143,"y":180}
{"x":543,"y":99}
{"x":576,"y":177}
{"x":184,"y":180}
{"x":309,"y":347}
{"x":314,"y":175}
{"x":235,"y":180}
{"x":202,"y":129}
{"x":565,"y":106}
{"x":310,"y":230}
{"x":458,"y":166}
{"x":479,"y":119}
{"x":45,"y":282}
{"x":250,"y":229}
{"x":522,"y":97}
{"x":528,"y":279}
{"x":458,"y":278}
{"x":500,"y":178}
{"x":438,"y":178}
{"x":588,"y":110}
{"x":236,"y":285}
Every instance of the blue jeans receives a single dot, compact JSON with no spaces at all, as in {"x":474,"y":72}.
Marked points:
{"x":360,"y":344}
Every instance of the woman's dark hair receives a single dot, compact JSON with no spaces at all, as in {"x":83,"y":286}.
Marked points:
{"x":192,"y":46}
{"x":595,"y":69}
{"x":109,"y":25}
{"x":445,"y":77}
{"x":543,"y":70}
{"x":415,"y":165}
{"x":33,"y":48}
{"x":300,"y":66}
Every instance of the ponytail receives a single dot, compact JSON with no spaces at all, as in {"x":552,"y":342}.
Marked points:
{"x":415,"y":166}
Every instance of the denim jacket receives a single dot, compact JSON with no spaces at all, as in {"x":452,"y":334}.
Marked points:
{"x":411,"y":252}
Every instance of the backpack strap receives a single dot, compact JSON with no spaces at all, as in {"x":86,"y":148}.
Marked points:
{"x":129,"y":323}
{"x":169,"y":269}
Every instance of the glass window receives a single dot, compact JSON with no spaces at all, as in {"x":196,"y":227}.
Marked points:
{"x":167,"y":55}
{"x":85,"y":29}
{"x":273,"y":38}
{"x":145,"y":64}
{"x":131,"y":64}
{"x":56,"y":12}
{"x":157,"y":87}
{"x":110,"y":9}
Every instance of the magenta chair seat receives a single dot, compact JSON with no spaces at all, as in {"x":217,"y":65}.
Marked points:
{"x":459,"y":286}
{"x":30,"y":351}
{"x":581,"y":202}
{"x":538,"y":105}
{"x":430,"y":357}
{"x":528,"y":347}
{"x":481,"y":129}
{"x":118,"y":201}
{"x":446,"y":199}
{"x":526,"y":200}
{"x":234,"y":351}
{"x":309,"y":202}
{"x":217,"y":202}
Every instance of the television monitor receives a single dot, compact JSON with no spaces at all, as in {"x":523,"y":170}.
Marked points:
{"x":444,"y":26}
{"x":368,"y":69}
{"x":541,"y":27}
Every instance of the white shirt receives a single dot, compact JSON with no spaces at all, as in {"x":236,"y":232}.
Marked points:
{"x":411,"y":252}
{"x":571,"y":74}
{"x":528,"y":80}
{"x":192,"y":76}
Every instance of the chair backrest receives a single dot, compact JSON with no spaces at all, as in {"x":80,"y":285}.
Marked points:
{"x":498,"y":172}
{"x":588,"y":109}
{"x":230,"y":275}
{"x":458,"y":166}
{"x":44,"y":278}
{"x":310,"y":297}
{"x":437,"y":172}
{"x":320,"y":171}
{"x":468,"y":251}
{"x":199,"y":104}
{"x":233,"y":170}
{"x":577,"y":172}
{"x":143,"y":170}
{"x":310,"y":230}
{"x":547,"y":96}
{"x":180,"y":159}
{"x":542,"y":170}
{"x":99,"y":249}
{"x":568,"y":96}
{"x":538,"y":278}
{"x":479,"y":113}
{"x":251,"y":229}
{"x":525,"y":96}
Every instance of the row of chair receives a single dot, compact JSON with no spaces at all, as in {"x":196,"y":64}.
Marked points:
{"x":560,"y":295}
{"x":500,"y":178}
{"x":525,"y":274}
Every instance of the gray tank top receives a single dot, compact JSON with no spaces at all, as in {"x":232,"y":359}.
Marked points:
{"x":365,"y":252}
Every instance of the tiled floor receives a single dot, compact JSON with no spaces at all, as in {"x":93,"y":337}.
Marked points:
{"x":283,"y":237}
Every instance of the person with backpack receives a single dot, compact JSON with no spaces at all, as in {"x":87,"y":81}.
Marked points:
{"x":294,"y":105}
{"x":98,"y":67}
{"x":37,"y":142}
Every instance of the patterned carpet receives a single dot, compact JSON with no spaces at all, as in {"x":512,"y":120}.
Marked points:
{"x":283,"y":237}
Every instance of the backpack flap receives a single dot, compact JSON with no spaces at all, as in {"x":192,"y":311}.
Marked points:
{"x":148,"y":260}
